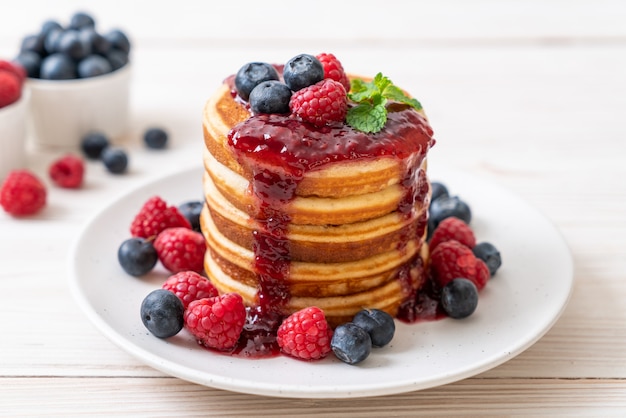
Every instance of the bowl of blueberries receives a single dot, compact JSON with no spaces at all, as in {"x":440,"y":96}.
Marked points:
{"x":79,"y":80}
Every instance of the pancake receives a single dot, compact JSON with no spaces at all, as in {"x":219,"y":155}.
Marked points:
{"x":298,"y":215}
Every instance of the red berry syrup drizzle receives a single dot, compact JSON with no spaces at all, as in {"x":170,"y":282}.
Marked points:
{"x":279,"y":150}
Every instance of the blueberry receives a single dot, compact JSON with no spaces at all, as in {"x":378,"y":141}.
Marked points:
{"x":118,"y":40}
{"x":137,"y":256}
{"x":459,"y":298}
{"x":351,"y":343}
{"x":489,"y":254}
{"x":117,"y":58}
{"x":57,"y":66}
{"x":162,"y":313}
{"x":270,"y":97}
{"x":31,"y":61}
{"x":33,"y":43}
{"x":98,"y":43}
{"x":447,"y":206}
{"x":80,"y":20}
{"x":438,"y":190}
{"x":251,"y":75}
{"x":378,"y":324}
{"x":49,"y":26}
{"x":191,"y":210}
{"x":93,"y":65}
{"x":303,"y":70}
{"x":93,"y":144}
{"x":70,"y":44}
{"x":155,"y":138}
{"x":51,"y":40}
{"x":115,"y":160}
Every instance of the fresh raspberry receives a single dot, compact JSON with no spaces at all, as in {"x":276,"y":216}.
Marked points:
{"x":180,"y":249}
{"x":216,"y":322}
{"x":14,"y":68}
{"x":10,"y":88}
{"x":451,"y":260}
{"x":453,"y":228}
{"x":190,"y":286}
{"x":333,"y":69}
{"x":22,"y":193}
{"x":154,"y":217}
{"x":67,"y":171}
{"x":321,"y":104}
{"x":305,"y":334}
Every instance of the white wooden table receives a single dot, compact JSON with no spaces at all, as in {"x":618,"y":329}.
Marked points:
{"x":529,"y":94}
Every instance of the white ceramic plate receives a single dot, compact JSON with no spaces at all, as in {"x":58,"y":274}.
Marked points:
{"x":517,"y":307}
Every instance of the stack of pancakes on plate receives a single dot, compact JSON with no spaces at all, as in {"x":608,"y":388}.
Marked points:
{"x":297,"y":216}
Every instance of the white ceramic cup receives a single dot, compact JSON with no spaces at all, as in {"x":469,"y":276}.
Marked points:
{"x":63,"y":111}
{"x":13,"y":135}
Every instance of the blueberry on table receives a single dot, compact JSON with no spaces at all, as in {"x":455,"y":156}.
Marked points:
{"x":270,"y":97}
{"x":155,"y":138}
{"x":57,"y":66}
{"x":446,"y":206}
{"x":115,"y":160}
{"x":191,"y":210}
{"x":93,"y":65}
{"x":378,"y":324}
{"x":351,"y":343}
{"x":93,"y":144}
{"x":302,"y":71}
{"x":487,"y":252}
{"x":162,"y":313}
{"x":137,"y":256}
{"x":459,"y":298}
{"x":251,"y":75}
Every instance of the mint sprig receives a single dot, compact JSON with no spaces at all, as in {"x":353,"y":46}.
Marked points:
{"x":370,"y":113}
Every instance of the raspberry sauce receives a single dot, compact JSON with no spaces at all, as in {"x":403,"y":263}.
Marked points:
{"x":279,"y":150}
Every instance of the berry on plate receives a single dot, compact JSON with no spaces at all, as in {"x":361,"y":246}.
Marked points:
{"x":459,"y":298}
{"x":155,"y":216}
{"x":378,"y":324}
{"x":451,"y":260}
{"x":190,"y":286}
{"x":216,"y":322}
{"x":487,"y":252}
{"x":191,"y":210}
{"x":67,"y":171}
{"x":321,"y":103}
{"x":181,"y":249}
{"x":351,"y":343}
{"x":453,"y":228}
{"x":305,"y":334}
{"x":446,"y":206}
{"x":22,"y":193}
{"x":162,"y":313}
{"x":137,"y":256}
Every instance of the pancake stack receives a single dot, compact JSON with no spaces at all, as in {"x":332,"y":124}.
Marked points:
{"x":299,"y":216}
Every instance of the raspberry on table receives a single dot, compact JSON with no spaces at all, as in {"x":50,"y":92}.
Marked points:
{"x":181,"y":249}
{"x":190,"y":286}
{"x":452,"y":260}
{"x":333,"y":69}
{"x":321,"y":103}
{"x":22,"y":193}
{"x":155,"y":216}
{"x":216,"y":322}
{"x":67,"y":171}
{"x":305,"y":334}
{"x":453,"y":228}
{"x":10,"y":88}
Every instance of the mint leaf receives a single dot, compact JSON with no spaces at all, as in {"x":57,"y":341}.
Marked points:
{"x":370,"y":114}
{"x":367,"y":118}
